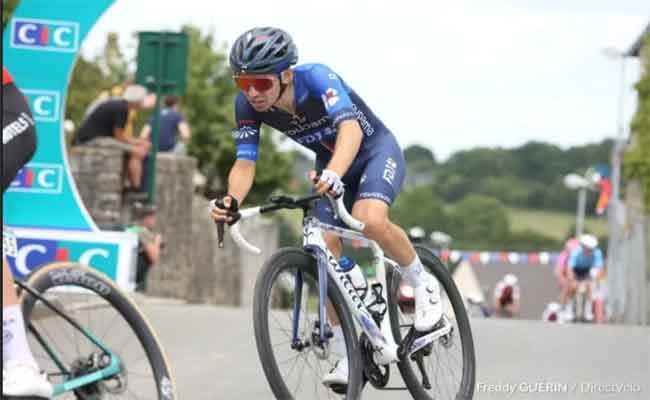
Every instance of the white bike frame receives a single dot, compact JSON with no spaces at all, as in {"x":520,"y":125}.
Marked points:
{"x":381,"y":337}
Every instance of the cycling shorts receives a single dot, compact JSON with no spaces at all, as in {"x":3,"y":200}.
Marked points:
{"x":379,"y":176}
{"x":18,"y":133}
{"x":581,"y":273}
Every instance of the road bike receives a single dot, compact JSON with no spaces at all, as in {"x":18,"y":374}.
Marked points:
{"x":89,"y":337}
{"x":294,"y":335}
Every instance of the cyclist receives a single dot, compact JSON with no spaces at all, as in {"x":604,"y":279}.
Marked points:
{"x":312,"y":105}
{"x":561,"y":273}
{"x":506,"y":296}
{"x":21,"y":377}
{"x":552,"y":312}
{"x":585,"y":260}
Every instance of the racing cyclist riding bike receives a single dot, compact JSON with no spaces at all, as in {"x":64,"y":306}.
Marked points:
{"x":21,"y":377}
{"x":312,"y":105}
{"x":506,"y":297}
{"x":582,"y":261}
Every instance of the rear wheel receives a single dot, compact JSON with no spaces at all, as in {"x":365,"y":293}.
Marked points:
{"x":449,"y":361}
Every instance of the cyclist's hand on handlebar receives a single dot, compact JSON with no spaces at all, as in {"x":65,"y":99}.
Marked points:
{"x":327,"y":182}
{"x":225,"y":209}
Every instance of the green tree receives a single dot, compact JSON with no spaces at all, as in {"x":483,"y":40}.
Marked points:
{"x":8,"y":7}
{"x":636,"y":163}
{"x":86,"y":82}
{"x":479,"y":222}
{"x":419,"y":206}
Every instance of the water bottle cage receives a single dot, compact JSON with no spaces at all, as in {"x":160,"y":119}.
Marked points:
{"x":378,"y":305}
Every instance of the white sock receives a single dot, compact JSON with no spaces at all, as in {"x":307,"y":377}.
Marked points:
{"x":14,"y":337}
{"x":337,"y":343}
{"x":414,"y":272}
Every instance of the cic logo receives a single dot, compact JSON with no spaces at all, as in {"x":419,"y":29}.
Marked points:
{"x":40,"y":34}
{"x":33,"y":253}
{"x":38,"y":178}
{"x":44,"y":104}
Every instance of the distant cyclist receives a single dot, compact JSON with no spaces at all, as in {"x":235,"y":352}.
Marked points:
{"x":316,"y":108}
{"x":506,"y":297}
{"x":561,"y":273}
{"x":552,"y":313}
{"x":584,"y":261}
{"x":21,"y":377}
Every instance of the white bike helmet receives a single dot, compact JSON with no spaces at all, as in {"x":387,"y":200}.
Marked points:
{"x":510,"y":279}
{"x":589,"y":241}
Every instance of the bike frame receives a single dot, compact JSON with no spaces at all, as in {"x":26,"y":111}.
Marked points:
{"x":381,"y":337}
{"x":113,"y":368}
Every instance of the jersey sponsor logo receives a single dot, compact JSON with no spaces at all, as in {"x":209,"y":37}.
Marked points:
{"x":15,"y":128}
{"x":33,"y":253}
{"x":367,"y":128}
{"x":47,"y":35}
{"x":375,"y":195}
{"x":307,"y":125}
{"x":245,"y":132}
{"x":44,"y":104}
{"x":330,"y":98}
{"x":390,"y":168}
{"x":247,"y":152}
{"x":316,"y":137}
{"x":40,"y":178}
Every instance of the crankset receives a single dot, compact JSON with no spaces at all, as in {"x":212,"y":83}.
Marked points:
{"x":377,"y":375}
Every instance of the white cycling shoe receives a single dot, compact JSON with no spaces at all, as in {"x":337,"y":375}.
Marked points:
{"x":428,"y":307}
{"x":338,"y":376}
{"x":24,"y":380}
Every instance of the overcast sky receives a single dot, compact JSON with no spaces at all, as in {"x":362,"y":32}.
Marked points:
{"x":447,"y":75}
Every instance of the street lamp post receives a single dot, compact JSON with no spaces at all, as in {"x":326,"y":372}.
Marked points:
{"x":581,"y":184}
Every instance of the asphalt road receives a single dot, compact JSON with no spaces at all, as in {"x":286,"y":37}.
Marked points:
{"x":537,"y":285}
{"x":213,"y":354}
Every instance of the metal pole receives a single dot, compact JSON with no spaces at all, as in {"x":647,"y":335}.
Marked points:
{"x":155,"y":129}
{"x":619,"y":143}
{"x":582,"y":204}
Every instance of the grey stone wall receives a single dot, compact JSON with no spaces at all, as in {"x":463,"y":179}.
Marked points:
{"x":192,"y":267}
{"x":97,"y":172}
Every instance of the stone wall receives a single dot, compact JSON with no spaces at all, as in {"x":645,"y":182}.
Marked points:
{"x":192,"y":267}
{"x":97,"y":172}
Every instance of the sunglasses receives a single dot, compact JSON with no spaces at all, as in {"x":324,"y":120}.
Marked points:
{"x":244,"y":82}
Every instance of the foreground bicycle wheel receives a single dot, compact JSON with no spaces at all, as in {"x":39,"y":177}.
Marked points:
{"x":296,"y":372}
{"x":449,"y":361}
{"x":103,"y":311}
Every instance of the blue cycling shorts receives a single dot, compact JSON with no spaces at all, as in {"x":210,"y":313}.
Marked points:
{"x":379,"y":176}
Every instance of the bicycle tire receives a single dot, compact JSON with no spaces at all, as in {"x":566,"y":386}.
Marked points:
{"x":283,"y":259}
{"x":82,"y":276}
{"x":406,"y":368}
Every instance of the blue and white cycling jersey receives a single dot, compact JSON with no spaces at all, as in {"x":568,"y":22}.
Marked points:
{"x":322,"y":102}
{"x":578,"y":259}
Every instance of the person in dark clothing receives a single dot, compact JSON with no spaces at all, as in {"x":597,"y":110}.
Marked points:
{"x":106,"y":124}
{"x":174,"y":131}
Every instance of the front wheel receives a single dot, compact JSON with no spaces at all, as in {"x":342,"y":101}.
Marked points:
{"x":295,"y":369}
{"x":450,"y":362}
{"x":103,"y":314}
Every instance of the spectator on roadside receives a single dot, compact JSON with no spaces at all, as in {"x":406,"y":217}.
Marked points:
{"x":507,"y":297}
{"x":174,"y":133}
{"x":150,"y":244}
{"x":107,"y":125}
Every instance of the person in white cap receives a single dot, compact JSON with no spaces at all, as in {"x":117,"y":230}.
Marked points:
{"x":506,"y":296}
{"x":107,"y":124}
